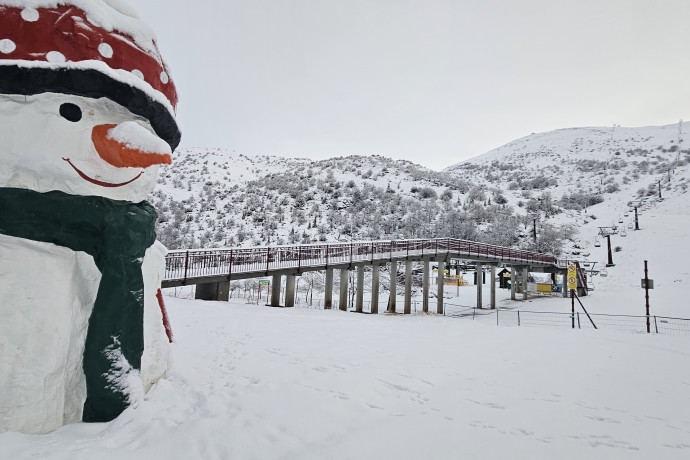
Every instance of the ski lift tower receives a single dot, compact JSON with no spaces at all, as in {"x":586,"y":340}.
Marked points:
{"x":634,"y":205}
{"x":606,"y":232}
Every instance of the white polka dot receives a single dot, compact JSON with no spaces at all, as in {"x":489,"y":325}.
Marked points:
{"x":7,"y":46}
{"x":138,"y":73}
{"x":105,"y":50}
{"x":164,"y":78}
{"x":55,"y":57}
{"x":30,"y":14}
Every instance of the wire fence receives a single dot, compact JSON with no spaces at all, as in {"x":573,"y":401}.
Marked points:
{"x":628,"y":323}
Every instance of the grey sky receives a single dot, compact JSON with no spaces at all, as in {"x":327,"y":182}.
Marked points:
{"x":434,"y":81}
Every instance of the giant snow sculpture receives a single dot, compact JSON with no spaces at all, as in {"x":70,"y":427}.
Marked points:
{"x":86,"y":118}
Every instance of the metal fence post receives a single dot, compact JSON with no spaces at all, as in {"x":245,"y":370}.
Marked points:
{"x":230,"y":271}
{"x":518,"y":312}
{"x":186,"y":264}
{"x":656,"y":328}
{"x":268,"y":258}
{"x":578,"y":320}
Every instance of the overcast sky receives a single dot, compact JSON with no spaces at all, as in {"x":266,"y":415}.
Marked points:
{"x":431,"y":81}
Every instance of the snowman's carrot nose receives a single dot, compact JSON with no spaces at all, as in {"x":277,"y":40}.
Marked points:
{"x":122,"y":154}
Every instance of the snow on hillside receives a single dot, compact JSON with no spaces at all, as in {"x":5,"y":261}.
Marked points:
{"x":213,"y":198}
{"x":565,"y":179}
{"x":584,"y":176}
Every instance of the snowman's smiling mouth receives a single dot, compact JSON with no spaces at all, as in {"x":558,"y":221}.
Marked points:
{"x":98,"y":182}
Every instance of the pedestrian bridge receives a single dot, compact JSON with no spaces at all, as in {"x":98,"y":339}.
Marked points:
{"x":212,"y":269}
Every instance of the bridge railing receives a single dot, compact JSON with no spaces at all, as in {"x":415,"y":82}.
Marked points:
{"x":196,"y":263}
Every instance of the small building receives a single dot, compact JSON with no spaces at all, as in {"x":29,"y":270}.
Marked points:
{"x":503,"y":278}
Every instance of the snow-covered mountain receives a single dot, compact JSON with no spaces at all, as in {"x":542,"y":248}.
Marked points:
{"x":213,"y":197}
{"x":570,"y":180}
{"x":584,"y":176}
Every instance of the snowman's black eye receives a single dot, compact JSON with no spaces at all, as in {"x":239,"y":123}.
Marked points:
{"x":70,"y":112}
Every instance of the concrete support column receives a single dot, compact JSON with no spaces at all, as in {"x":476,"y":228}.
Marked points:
{"x":290,"y":290}
{"x":525,"y":270}
{"x":343,"y":289}
{"x":513,"y":281}
{"x":408,"y":287}
{"x":375,"y":288}
{"x":393,"y":285}
{"x":213,"y":291}
{"x":565,"y":284}
{"x":493,"y":287}
{"x":480,"y":274}
{"x":359,"y":296}
{"x":425,"y":287}
{"x":439,"y":295}
{"x":328,"y":295}
{"x":275,"y":291}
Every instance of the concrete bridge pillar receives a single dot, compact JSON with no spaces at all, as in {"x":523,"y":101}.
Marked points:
{"x":425,"y":287}
{"x":275,"y":291}
{"x":328,"y":295}
{"x":290,"y":290}
{"x":343,"y":289}
{"x":493,"y":287}
{"x":441,"y":281}
{"x":359,"y":300}
{"x":479,"y":277}
{"x":513,"y":282}
{"x":375,"y":288}
{"x":566,"y":294}
{"x":213,"y":291}
{"x":408,"y":288}
{"x":525,"y":271}
{"x":393,"y":285}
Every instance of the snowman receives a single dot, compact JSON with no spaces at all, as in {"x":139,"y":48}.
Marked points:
{"x":86,"y":119}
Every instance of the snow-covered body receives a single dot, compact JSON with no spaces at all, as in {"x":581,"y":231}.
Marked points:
{"x":48,"y":295}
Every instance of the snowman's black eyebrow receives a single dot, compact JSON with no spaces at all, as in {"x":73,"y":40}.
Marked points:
{"x":70,"y":112}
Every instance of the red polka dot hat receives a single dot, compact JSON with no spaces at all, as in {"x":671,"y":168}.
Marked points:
{"x":90,"y":48}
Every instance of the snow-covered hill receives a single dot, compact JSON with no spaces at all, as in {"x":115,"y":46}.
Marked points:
{"x":587,"y":174}
{"x":212,"y":197}
{"x":565,"y":179}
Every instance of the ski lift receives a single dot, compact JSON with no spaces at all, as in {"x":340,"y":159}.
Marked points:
{"x":597,"y":242}
{"x":586,"y":264}
{"x":620,"y":219}
{"x":623,"y":232}
{"x":626,"y":214}
{"x":603,"y":273}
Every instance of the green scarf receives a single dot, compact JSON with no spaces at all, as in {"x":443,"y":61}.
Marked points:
{"x":116,"y":234}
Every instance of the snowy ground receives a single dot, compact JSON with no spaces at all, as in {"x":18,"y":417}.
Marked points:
{"x":259,"y":382}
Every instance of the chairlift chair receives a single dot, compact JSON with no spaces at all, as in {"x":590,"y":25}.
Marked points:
{"x":623,"y":232}
{"x":620,"y":220}
{"x":603,"y":273}
{"x":597,"y":242}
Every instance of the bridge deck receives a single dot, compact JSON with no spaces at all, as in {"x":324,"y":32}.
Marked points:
{"x":208,"y":265}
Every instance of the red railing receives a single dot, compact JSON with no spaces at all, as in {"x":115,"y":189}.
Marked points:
{"x":200,"y":263}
